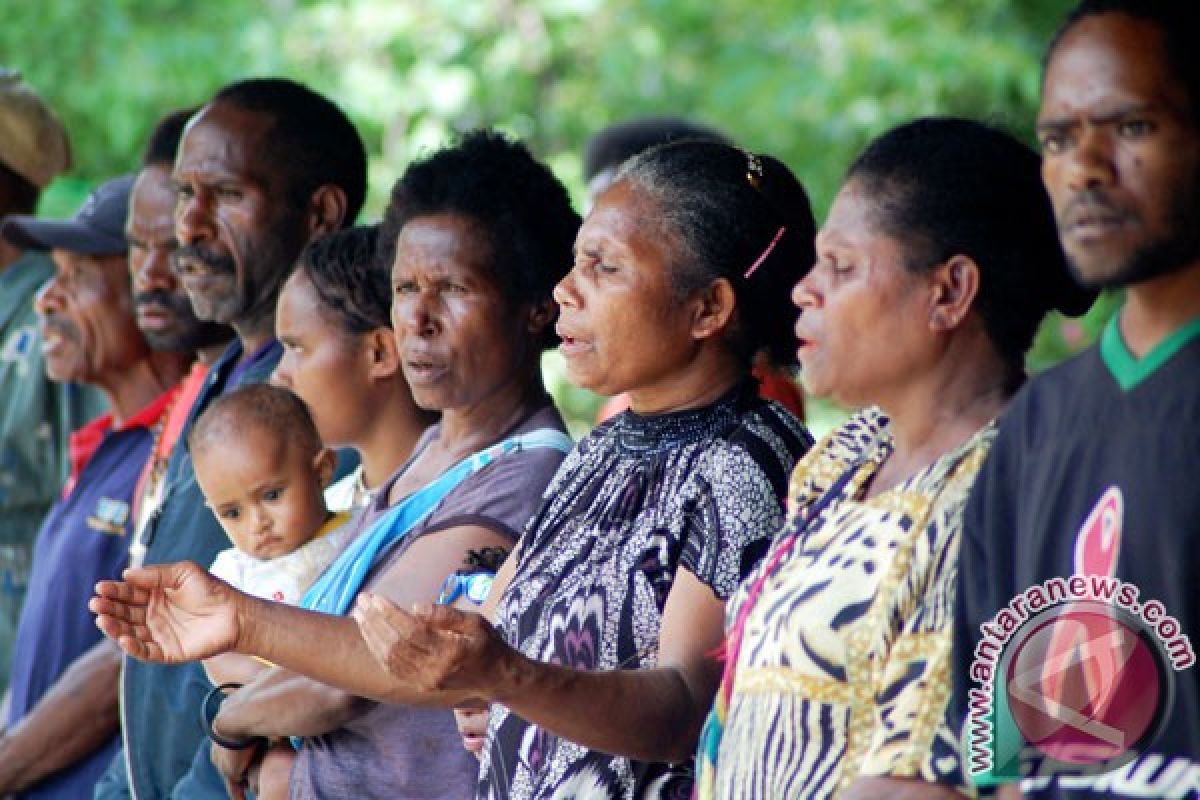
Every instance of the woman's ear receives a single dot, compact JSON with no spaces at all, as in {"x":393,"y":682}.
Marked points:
{"x":713,"y":309}
{"x":542,"y":314}
{"x":955,"y":285}
{"x":383,"y":357}
{"x":324,"y":463}
{"x":326,"y":210}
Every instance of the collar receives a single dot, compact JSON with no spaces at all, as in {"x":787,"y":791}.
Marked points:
{"x":1127,"y":369}
{"x":84,"y":442}
{"x":262,"y":354}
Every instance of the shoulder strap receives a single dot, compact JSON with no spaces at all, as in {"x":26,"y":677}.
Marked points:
{"x":336,"y":589}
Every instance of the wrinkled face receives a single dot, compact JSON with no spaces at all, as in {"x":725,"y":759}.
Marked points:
{"x":460,"y":339}
{"x":238,"y":232}
{"x":322,"y":363}
{"x":622,"y":325}
{"x":266,"y":494}
{"x":89,"y":334}
{"x":1121,"y":153}
{"x":863,"y":327}
{"x":164,"y":312}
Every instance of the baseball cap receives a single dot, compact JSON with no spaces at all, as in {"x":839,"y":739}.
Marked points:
{"x":33,"y":142}
{"x":97,"y":229}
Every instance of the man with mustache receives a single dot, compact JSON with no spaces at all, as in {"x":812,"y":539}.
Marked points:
{"x":36,"y":414}
{"x":62,"y":721}
{"x":1094,"y":471}
{"x":263,"y":168}
{"x":164,"y":312}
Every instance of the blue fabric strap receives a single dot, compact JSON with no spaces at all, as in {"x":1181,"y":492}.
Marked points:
{"x":335,"y":590}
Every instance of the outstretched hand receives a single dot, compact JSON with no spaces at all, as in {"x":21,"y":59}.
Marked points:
{"x":169,"y":613}
{"x":435,"y":648}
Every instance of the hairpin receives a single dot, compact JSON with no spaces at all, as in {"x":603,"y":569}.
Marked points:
{"x":765,"y":253}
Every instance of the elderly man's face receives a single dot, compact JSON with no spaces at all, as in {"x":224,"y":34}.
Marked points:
{"x":164,"y":312}
{"x":89,"y":334}
{"x":237,"y":226}
{"x":1121,"y":153}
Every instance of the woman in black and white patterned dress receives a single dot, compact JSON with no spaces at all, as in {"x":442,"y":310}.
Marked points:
{"x":601,"y":666}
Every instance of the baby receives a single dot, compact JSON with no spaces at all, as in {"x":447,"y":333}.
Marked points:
{"x":259,"y":461}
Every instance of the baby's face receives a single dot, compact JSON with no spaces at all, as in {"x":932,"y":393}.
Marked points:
{"x":267,"y":495}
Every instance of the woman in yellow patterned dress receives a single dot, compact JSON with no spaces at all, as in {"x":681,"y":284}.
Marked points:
{"x":936,"y":264}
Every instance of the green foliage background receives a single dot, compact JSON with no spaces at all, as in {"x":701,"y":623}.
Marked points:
{"x":807,"y":80}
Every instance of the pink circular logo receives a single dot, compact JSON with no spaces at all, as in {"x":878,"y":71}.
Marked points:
{"x":1087,"y":685}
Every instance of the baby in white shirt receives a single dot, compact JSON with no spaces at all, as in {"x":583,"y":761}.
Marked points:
{"x":259,"y":461}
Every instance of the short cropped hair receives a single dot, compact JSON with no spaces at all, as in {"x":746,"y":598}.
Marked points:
{"x":513,"y":199}
{"x":164,"y":139}
{"x":738,"y":216}
{"x":313,"y":142}
{"x":262,"y":406}
{"x":353,"y":287}
{"x":613,"y":146}
{"x":1177,"y":20}
{"x":943,"y":187}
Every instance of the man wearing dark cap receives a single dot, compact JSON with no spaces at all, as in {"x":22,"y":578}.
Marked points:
{"x":62,"y":720}
{"x":36,"y":414}
{"x":262,"y":169}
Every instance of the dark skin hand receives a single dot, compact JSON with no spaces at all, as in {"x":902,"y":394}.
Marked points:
{"x":656,"y":713}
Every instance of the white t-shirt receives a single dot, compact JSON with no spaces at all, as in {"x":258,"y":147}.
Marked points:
{"x":285,"y":579}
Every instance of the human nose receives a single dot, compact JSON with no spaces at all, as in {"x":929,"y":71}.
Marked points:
{"x":193,"y":217}
{"x":49,"y":299}
{"x":152,"y":270}
{"x":805,"y":293}
{"x":282,"y":376}
{"x":419,"y":315}
{"x":566,"y":293}
{"x":1090,"y":163}
{"x":262,"y":520}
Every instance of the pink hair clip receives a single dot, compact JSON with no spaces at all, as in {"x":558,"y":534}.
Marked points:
{"x":758,"y":261}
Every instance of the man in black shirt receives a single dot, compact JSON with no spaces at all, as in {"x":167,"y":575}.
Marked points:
{"x":1095,"y":473}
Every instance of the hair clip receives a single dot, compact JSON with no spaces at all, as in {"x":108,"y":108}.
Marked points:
{"x":754,"y":170}
{"x":758,"y":262}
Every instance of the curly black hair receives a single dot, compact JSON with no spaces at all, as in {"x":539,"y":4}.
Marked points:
{"x":946,"y":186}
{"x":1178,"y":20}
{"x":313,"y":142}
{"x":515,"y":201}
{"x":352,"y":285}
{"x":725,"y":208}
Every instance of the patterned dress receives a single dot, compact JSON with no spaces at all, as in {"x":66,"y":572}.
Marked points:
{"x":844,"y":665}
{"x":638,"y":499}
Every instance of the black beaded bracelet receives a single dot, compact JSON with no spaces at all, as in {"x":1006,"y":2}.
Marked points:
{"x":208,"y":713}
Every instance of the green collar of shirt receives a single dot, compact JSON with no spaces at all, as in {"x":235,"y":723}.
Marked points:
{"x":1127,"y":369}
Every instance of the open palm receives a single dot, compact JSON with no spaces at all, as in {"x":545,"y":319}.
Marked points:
{"x":169,"y":613}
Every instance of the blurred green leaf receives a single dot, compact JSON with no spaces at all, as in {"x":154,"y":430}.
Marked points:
{"x":807,"y":81}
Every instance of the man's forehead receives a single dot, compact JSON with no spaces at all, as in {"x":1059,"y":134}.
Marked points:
{"x":152,"y":203}
{"x":64,"y":258}
{"x":223,"y":138}
{"x":1110,"y":61}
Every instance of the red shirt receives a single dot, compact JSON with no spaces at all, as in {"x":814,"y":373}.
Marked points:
{"x":83,"y":443}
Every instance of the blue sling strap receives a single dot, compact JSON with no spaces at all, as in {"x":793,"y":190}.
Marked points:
{"x":335,"y":590}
